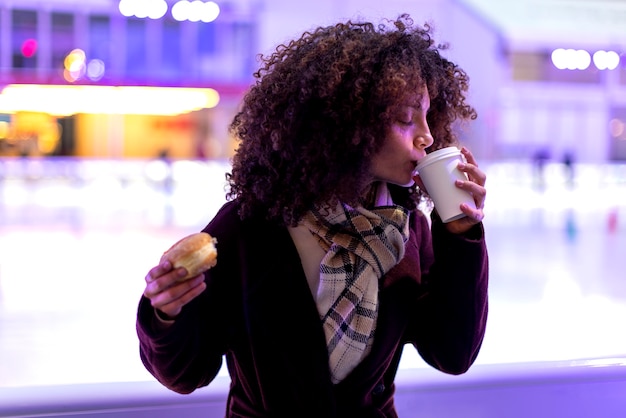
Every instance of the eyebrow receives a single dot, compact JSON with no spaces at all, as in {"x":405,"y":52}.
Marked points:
{"x":416,"y":101}
{"x":416,"y":106}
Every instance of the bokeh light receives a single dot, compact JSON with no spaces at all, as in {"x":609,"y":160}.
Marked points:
{"x":64,"y":100}
{"x":29,"y":48}
{"x":579,"y":59}
{"x":153,"y":9}
{"x":606,"y":60}
{"x":75,"y":65}
{"x":571,"y":59}
{"x":195,"y":11}
{"x":95,"y":69}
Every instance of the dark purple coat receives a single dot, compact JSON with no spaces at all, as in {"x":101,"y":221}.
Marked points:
{"x":258,"y":311}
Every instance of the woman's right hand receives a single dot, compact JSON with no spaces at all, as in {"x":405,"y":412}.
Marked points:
{"x":167,"y":293}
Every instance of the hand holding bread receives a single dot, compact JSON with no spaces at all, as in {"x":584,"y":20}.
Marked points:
{"x":170,"y":287}
{"x":196,"y":253}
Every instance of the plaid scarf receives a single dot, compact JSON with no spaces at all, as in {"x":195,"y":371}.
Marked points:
{"x":361,"y":245}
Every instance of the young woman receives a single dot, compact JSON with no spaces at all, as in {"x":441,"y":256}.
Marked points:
{"x":326,"y":265}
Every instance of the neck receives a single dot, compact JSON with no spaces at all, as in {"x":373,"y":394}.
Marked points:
{"x":368,"y":196}
{"x":375,"y":195}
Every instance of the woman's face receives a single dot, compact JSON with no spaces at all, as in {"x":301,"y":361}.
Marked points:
{"x":406,"y":142}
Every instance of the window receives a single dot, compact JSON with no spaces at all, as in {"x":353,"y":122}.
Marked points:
{"x":99,"y":35}
{"x":538,"y":66}
{"x":24,"y":39}
{"x":243,"y":33}
{"x":207,"y":42}
{"x":171,"y":50}
{"x":62,"y":39}
{"x":226,"y":51}
{"x":136,"y":54}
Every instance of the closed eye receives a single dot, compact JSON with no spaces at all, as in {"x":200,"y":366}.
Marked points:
{"x":405,"y":117}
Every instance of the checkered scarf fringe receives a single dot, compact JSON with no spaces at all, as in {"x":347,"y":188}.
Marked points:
{"x":361,"y":246}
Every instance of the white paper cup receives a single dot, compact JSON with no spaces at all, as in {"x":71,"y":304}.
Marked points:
{"x":438,"y":171}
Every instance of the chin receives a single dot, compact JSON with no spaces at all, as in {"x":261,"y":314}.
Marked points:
{"x":404,"y":183}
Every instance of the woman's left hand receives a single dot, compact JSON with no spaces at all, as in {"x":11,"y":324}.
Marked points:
{"x":475,"y":185}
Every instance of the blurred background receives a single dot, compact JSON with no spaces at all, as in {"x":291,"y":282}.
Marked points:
{"x":114,"y":144}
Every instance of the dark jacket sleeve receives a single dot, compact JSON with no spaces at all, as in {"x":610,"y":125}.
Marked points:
{"x":187,"y":354}
{"x":169,"y":353}
{"x":450,"y":319}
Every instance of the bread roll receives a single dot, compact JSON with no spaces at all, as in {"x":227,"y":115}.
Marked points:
{"x":196,"y":252}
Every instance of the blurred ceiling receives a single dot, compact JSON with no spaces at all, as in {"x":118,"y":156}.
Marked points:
{"x":553,"y":23}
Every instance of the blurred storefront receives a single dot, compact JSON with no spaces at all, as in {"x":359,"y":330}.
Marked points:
{"x":109,"y":80}
{"x":528,"y":101}
{"x":187,"y":135}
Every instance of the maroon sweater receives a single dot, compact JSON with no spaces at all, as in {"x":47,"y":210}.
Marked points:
{"x":259,"y":313}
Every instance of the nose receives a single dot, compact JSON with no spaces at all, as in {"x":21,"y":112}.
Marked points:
{"x":423,"y":140}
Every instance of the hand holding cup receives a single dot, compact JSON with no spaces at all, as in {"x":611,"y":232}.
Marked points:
{"x":454,"y":182}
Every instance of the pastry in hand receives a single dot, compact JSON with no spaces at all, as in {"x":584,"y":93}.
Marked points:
{"x":196,"y":253}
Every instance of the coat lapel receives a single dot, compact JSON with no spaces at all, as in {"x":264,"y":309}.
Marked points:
{"x":282,"y":321}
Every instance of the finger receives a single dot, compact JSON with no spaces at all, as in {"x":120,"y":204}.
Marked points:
{"x":473,"y":172}
{"x":474,"y":188}
{"x":471,"y":167}
{"x":174,"y":308}
{"x":173,"y":299}
{"x":469,"y":157}
{"x":177,"y":289}
{"x":478,"y":192}
{"x":158,"y":271}
{"x":159,"y":283}
{"x":471,"y":218}
{"x":475,"y":215}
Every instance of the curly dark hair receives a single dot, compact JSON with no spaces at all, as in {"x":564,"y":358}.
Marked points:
{"x":321,"y":108}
